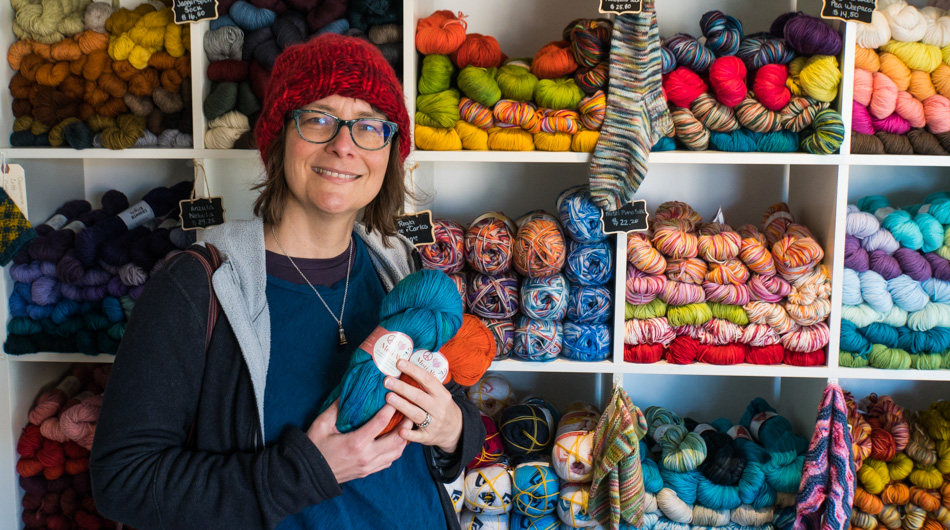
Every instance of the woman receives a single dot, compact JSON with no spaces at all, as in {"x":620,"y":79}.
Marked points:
{"x":233,"y":437}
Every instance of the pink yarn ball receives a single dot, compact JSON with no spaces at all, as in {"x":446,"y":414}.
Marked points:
{"x":769,"y":86}
{"x":937,"y":110}
{"x":727,"y":77}
{"x":863,"y":86}
{"x":861,"y":120}
{"x":683,"y":86}
{"x":893,"y":124}
{"x":884,"y":97}
{"x":911,"y":109}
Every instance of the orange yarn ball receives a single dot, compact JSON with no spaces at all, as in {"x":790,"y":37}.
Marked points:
{"x":441,"y":32}
{"x":478,"y":50}
{"x":555,"y":59}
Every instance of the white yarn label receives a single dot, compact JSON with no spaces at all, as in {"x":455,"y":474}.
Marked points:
{"x":719,"y":218}
{"x":703,"y":427}
{"x":433,"y":362}
{"x":57,"y":221}
{"x":387,"y":347}
{"x":14,"y":183}
{"x":738,"y":431}
{"x":757,"y":422}
{"x":924,"y":209}
{"x":70,"y":386}
{"x":76,"y":226}
{"x":618,"y":7}
{"x":137,"y":215}
{"x":661,"y":430}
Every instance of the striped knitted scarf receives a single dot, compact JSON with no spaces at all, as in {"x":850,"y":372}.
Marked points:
{"x":616,"y":494}
{"x":827,"y":490}
{"x":636,"y":116}
{"x":15,"y":230}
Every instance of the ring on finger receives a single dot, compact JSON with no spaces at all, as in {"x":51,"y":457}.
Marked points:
{"x":425,"y":422}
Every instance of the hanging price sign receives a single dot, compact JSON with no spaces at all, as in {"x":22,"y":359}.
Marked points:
{"x":620,"y":7}
{"x":630,"y":218}
{"x":846,"y":10}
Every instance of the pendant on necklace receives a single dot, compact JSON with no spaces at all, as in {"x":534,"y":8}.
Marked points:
{"x":342,"y":336}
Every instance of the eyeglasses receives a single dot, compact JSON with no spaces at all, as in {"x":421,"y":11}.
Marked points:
{"x":318,"y":127}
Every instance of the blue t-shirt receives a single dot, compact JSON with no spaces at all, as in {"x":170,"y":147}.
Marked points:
{"x":306,"y":364}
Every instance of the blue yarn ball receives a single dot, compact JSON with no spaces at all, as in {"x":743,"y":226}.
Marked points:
{"x":878,"y":333}
{"x":589,"y":263}
{"x":668,"y":60}
{"x":686,"y":485}
{"x":589,"y":304}
{"x":938,"y":290}
{"x":250,"y":18}
{"x":907,"y":293}
{"x":545,"y":298}
{"x":579,"y":215}
{"x":665,"y":143}
{"x":717,"y":496}
{"x":222,"y":21}
{"x":853,"y":341}
{"x":586,"y":342}
{"x":738,"y":141}
{"x":535,"y":489}
{"x":337,"y":26}
{"x":112,"y":308}
{"x":776,"y":142}
{"x":537,"y":340}
{"x":934,"y":340}
{"x":546,"y":522}
{"x":647,"y":522}
{"x":851,"y":288}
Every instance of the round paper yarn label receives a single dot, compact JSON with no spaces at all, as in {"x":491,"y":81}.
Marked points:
{"x":433,"y":362}
{"x":387,"y":348}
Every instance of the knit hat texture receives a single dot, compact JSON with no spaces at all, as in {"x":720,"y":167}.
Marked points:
{"x":326,"y":65}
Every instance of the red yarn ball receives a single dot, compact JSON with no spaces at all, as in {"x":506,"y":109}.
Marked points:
{"x":683,"y":350}
{"x":642,"y":353}
{"x":492,"y":449}
{"x":228,"y":70}
{"x":722,"y":355}
{"x":769,"y":86}
{"x":883,"y":446}
{"x":812,"y":358}
{"x":773,"y":354}
{"x":29,"y":442}
{"x":727,"y":77}
{"x":683,"y":86}
{"x":478,"y":50}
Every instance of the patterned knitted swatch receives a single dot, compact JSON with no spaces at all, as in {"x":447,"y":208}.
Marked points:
{"x":616,"y":494}
{"x":827,"y":490}
{"x":15,"y":230}
{"x":636,"y":117}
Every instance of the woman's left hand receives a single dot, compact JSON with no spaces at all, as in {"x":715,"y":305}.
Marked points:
{"x":432,"y":401}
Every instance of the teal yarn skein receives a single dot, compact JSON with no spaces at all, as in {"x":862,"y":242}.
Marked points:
{"x":426,"y":306}
{"x":786,"y":449}
{"x":717,"y":496}
{"x":652,"y":480}
{"x":685,"y":484}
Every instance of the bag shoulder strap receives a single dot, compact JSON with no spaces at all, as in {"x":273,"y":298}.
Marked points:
{"x":209,"y":257}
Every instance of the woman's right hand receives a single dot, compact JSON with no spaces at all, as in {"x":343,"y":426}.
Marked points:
{"x":358,"y":453}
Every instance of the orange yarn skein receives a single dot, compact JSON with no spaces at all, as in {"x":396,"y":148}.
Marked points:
{"x":554,"y":59}
{"x":478,"y":50}
{"x":441,"y":32}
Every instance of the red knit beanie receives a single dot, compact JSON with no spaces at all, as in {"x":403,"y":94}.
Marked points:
{"x":326,"y":65}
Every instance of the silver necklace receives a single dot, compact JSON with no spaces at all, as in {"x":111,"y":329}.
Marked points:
{"x":346,"y":288}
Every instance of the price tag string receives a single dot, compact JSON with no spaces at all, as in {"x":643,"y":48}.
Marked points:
{"x":194,"y":189}
{"x":4,"y":168}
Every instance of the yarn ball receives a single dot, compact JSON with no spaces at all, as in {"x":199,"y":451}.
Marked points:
{"x":579,"y":215}
{"x":545,"y":298}
{"x":537,"y":340}
{"x":440,"y":33}
{"x":516,"y":82}
{"x":488,"y":243}
{"x":536,"y":488}
{"x":504,"y":333}
{"x":538,"y":246}
{"x":447,"y":253}
{"x":727,"y":77}
{"x":526,"y":430}
{"x":586,"y":342}
{"x":492,"y":449}
{"x":810,"y":35}
{"x":493,"y":297}
{"x":572,"y":505}
{"x":589,"y":263}
{"x":491,"y":394}
{"x":488,"y":490}
{"x":589,"y":304}
{"x":478,"y":50}
{"x":555,"y":59}
{"x":484,"y":521}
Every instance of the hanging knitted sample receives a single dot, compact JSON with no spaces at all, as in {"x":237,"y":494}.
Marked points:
{"x":637,"y":115}
{"x":15,"y":230}
{"x":616,"y":494}
{"x":827,"y":489}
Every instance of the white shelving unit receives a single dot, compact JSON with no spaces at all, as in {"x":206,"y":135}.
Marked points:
{"x":464,"y":184}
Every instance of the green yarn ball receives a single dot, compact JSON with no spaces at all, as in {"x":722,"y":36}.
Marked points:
{"x":688,"y":315}
{"x":516,"y":82}
{"x":479,"y":84}
{"x":436,"y":74}
{"x":654,"y":309}
{"x":221,"y":100}
{"x":733,"y":313}
{"x":438,"y":110}
{"x":558,"y":94}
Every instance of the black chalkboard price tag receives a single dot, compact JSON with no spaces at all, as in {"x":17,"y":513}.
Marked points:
{"x":847,"y":10}
{"x":194,"y":10}
{"x":201,"y":213}
{"x":620,"y":7}
{"x":417,"y":227}
{"x":630,"y":218}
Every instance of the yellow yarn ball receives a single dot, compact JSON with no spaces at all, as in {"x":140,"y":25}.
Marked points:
{"x":873,"y":476}
{"x":23,"y":123}
{"x":437,"y":139}
{"x":56,"y":137}
{"x":472,"y":137}
{"x":943,"y":456}
{"x":916,"y":55}
{"x":820,"y":76}
{"x":926,"y":477}
{"x":510,"y":139}
{"x":177,"y":42}
{"x":584,"y":141}
{"x":556,"y":141}
{"x":900,"y":467}
{"x":120,"y":47}
{"x":793,"y":83}
{"x":945,"y":54}
{"x":38,"y":128}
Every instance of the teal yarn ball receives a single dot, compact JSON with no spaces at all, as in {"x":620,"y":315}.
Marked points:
{"x":425,"y":306}
{"x":652,"y":480}
{"x":685,"y":484}
{"x":738,"y":141}
{"x":250,"y":18}
{"x":717,"y":496}
{"x":853,"y":341}
{"x":936,"y":340}
{"x":681,"y":449}
{"x":436,"y":74}
{"x":877,"y":333}
{"x":776,"y":142}
{"x":535,"y":489}
{"x":665,"y":143}
{"x":479,"y":85}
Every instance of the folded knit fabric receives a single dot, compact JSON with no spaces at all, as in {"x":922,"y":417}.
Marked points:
{"x":616,"y":494}
{"x":827,"y":490}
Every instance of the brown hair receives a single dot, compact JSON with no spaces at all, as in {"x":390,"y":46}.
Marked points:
{"x":380,"y":214}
